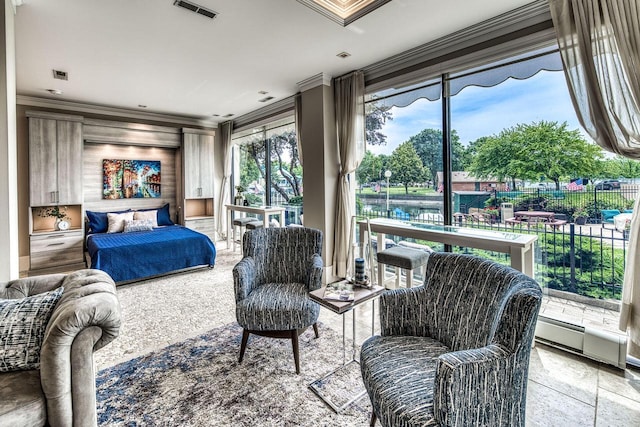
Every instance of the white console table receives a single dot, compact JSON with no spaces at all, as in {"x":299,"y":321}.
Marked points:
{"x":519,"y":246}
{"x":265,"y":211}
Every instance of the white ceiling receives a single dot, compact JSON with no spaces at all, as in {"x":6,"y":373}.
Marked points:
{"x":122,"y":53}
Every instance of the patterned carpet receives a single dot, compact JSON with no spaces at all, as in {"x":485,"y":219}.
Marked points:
{"x":175,"y":362}
{"x":199,"y":382}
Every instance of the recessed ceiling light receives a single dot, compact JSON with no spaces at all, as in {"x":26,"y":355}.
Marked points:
{"x":343,"y":55}
{"x":263,"y":92}
{"x":228,"y":115}
{"x":54,"y":91}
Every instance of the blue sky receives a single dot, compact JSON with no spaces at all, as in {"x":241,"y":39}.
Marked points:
{"x":477,"y":111}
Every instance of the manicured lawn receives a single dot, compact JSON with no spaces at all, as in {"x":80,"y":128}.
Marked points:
{"x":399,"y":191}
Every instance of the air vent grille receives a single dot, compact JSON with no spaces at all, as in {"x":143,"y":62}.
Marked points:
{"x":265,"y":99}
{"x":228,"y":115}
{"x":195,"y":8}
{"x":60,"y":75}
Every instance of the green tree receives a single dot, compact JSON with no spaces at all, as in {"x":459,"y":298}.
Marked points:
{"x":405,"y":166}
{"x":428,"y":145}
{"x":376,"y":115}
{"x":370,"y":168}
{"x":528,"y":151}
{"x":621,"y":167}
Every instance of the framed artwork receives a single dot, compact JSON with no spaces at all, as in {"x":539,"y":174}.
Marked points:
{"x":127,"y":179}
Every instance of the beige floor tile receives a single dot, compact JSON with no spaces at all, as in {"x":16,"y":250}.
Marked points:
{"x":616,"y":410}
{"x":625,"y":383}
{"x":547,"y":407}
{"x":566,"y":373}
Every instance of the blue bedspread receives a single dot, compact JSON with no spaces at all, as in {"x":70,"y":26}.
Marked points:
{"x":131,"y":256}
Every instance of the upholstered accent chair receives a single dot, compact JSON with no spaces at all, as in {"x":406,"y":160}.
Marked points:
{"x":454,"y":352}
{"x":280,"y":266}
{"x":61,"y":389}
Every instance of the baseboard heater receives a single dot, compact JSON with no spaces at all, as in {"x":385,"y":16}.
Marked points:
{"x":596,"y":344}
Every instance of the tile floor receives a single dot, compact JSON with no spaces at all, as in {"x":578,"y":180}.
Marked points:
{"x":564,"y":389}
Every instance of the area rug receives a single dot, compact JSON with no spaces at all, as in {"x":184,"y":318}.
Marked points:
{"x":199,"y":382}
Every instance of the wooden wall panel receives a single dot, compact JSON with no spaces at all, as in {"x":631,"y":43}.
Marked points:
{"x":92,"y":173}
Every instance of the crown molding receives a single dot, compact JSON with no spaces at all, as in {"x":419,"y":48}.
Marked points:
{"x":267,"y":113}
{"x":351,"y":10}
{"x":104,"y":110}
{"x":529,"y":15}
{"x":319,"y":79}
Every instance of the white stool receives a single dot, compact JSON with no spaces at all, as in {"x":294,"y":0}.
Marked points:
{"x":402,"y":258}
{"x":239,"y":224}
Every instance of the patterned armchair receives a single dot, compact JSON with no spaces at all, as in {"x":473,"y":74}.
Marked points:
{"x":272,"y":284}
{"x":454,"y":352}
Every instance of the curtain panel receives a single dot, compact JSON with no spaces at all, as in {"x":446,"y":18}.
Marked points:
{"x":599,"y":43}
{"x":225,"y":149}
{"x":297,"y":108}
{"x":350,"y":119}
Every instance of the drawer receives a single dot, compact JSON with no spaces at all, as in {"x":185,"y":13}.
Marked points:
{"x":52,"y":250}
{"x":202,"y":225}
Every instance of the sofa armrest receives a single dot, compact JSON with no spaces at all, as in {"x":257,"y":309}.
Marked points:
{"x":244,"y":277}
{"x":314,"y":276}
{"x":402,"y":312}
{"x":476,"y":384}
{"x":88,"y":308}
{"x":28,"y":286}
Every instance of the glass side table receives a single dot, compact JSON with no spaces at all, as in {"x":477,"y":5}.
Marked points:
{"x":361,"y":296}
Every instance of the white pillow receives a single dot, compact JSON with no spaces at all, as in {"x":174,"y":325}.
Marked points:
{"x":150,"y":215}
{"x":116,"y":221}
{"x":138,"y":225}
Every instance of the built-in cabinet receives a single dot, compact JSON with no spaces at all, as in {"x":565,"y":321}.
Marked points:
{"x":55,"y":179}
{"x":198,"y":164}
{"x":197,"y":172}
{"x":55,"y":159}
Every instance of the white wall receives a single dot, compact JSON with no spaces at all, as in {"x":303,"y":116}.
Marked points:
{"x":9,"y":265}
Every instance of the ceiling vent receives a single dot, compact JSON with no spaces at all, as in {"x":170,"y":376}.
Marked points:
{"x":265,"y":99}
{"x":228,"y":115}
{"x":195,"y":8}
{"x":60,"y":75}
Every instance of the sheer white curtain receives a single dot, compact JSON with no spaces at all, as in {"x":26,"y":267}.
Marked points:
{"x":225,"y":144}
{"x":349,"y":109}
{"x":599,"y":42}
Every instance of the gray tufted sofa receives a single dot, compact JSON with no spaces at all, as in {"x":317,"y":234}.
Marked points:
{"x":62,"y":392}
{"x":272,"y":284}
{"x":454,"y":352}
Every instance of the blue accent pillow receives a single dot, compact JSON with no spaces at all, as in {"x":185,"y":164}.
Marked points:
{"x":164,"y":216}
{"x":98,"y":221}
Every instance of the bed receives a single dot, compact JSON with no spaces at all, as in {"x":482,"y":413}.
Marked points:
{"x":129,"y":256}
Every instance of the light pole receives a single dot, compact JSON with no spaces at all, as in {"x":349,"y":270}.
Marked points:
{"x":387,"y":175}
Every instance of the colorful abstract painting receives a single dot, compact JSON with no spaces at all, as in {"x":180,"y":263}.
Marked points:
{"x":127,"y":179}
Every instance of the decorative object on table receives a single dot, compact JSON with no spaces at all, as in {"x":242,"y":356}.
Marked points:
{"x":239,"y":199}
{"x":128,"y":179}
{"x":441,"y":358}
{"x":61,"y":218}
{"x":340,"y":291}
{"x":359,"y":276}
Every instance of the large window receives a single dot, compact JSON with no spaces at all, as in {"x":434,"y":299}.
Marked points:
{"x":267,"y":168}
{"x":517,"y":154}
